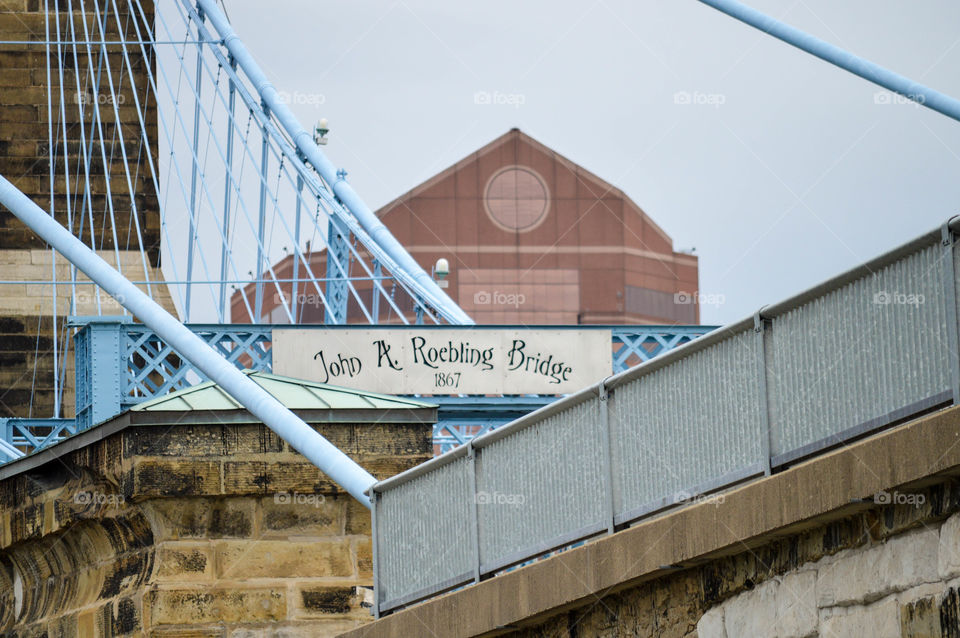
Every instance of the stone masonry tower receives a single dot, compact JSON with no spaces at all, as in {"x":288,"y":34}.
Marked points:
{"x":76,"y":109}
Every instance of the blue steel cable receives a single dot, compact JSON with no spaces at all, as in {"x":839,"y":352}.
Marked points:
{"x":118,"y":133}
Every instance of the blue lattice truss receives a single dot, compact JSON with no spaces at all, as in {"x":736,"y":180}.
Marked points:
{"x":120,"y":363}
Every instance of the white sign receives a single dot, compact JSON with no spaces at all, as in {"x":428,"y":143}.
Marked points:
{"x":446,"y":361}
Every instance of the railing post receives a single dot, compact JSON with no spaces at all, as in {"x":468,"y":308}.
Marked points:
{"x":761,"y":333}
{"x":101,"y":397}
{"x":603,"y":405}
{"x":374,"y":502}
{"x":950,"y":300}
{"x":474,"y":513}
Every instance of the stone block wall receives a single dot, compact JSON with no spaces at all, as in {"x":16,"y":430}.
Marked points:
{"x":26,"y":325}
{"x":26,"y":310}
{"x":193,"y":530}
{"x":890,"y":571}
{"x":25,"y":149}
{"x":907,"y":586}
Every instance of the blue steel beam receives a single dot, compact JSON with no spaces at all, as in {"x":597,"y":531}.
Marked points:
{"x":338,"y":466}
{"x":338,"y":261}
{"x":919,"y":93}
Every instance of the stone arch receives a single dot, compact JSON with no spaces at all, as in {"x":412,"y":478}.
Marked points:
{"x":93,"y":559}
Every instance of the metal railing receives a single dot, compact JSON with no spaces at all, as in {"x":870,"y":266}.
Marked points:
{"x":861,"y":351}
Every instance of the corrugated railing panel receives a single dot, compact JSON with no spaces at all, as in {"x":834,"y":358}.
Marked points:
{"x":415,"y":521}
{"x":871,"y":347}
{"x":540,"y":486}
{"x":874,"y":350}
{"x":686,"y":426}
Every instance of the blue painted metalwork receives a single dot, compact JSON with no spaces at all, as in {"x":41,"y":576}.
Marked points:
{"x":32,"y":434}
{"x":221,"y":219}
{"x":375,"y":306}
{"x":462,"y":418}
{"x":338,"y":270}
{"x":407,"y":268}
{"x":343,"y":470}
{"x":225,"y":246}
{"x":97,"y":352}
{"x":261,"y":224}
{"x":923,"y":95}
{"x":195,"y":169}
{"x":120,"y":364}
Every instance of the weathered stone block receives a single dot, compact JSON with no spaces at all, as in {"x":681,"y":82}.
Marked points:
{"x":180,"y":561}
{"x":283,"y":559}
{"x":86,"y":624}
{"x":711,"y":624}
{"x":364,"y":551}
{"x":322,"y":601}
{"x":294,"y":514}
{"x":178,"y":518}
{"x":202,"y":440}
{"x":232,"y":518}
{"x":302,"y":629}
{"x":358,"y":518}
{"x":168,"y":477}
{"x":393,"y":440}
{"x":865,"y":576}
{"x":118,"y":618}
{"x":188,"y":632}
{"x":950,"y":613}
{"x":879,"y":620}
{"x":385,"y":467}
{"x":752,"y":613}
{"x":920,"y":619}
{"x":194,"y":606}
{"x":949,"y":550}
{"x":263,"y":477}
{"x":797,"y":615}
{"x":5,"y":535}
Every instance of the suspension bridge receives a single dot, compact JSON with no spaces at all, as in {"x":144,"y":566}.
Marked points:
{"x":159,"y":142}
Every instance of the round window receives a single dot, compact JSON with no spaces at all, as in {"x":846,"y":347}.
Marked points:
{"x":516,"y":199}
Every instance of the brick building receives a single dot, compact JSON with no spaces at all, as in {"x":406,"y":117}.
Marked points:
{"x":531,"y":238}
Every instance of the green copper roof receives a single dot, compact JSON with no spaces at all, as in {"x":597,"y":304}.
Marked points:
{"x":295,"y":394}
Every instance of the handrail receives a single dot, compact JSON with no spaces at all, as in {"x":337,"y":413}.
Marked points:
{"x":674,"y":355}
{"x":738,"y":402}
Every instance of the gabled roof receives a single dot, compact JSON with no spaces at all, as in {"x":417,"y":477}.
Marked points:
{"x":513,"y":134}
{"x":295,"y":394}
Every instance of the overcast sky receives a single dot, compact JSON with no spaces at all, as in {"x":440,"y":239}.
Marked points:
{"x":781,"y":171}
